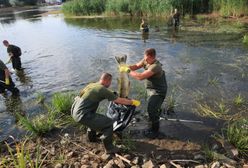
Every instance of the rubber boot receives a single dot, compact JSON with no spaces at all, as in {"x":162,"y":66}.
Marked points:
{"x":153,"y":132}
{"x":109,"y":147}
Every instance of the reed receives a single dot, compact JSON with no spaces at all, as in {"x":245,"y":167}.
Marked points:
{"x":155,"y":7}
{"x":237,"y":134}
{"x":84,"y":7}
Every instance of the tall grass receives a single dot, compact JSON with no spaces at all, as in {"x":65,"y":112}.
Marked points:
{"x":237,"y":134}
{"x":20,"y":157}
{"x":84,"y":7}
{"x":56,"y":115}
{"x":230,"y":7}
{"x":156,"y":7}
{"x":62,"y":102}
{"x":39,"y":125}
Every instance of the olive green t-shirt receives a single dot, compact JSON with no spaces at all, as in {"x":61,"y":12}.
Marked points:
{"x":89,"y":99}
{"x":157,"y":82}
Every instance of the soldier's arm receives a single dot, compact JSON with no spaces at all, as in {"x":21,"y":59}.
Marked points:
{"x":124,"y":101}
{"x":140,"y":76}
{"x":7,"y":73}
{"x":136,"y":66}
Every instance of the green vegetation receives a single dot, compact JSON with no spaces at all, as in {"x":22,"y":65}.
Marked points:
{"x":22,"y":157}
{"x":245,"y":39}
{"x":55,"y":116}
{"x":38,"y":125}
{"x":156,"y":8}
{"x":237,"y":135}
{"x":239,"y":101}
{"x":230,"y":7}
{"x":214,"y":81}
{"x":84,"y":7}
{"x":62,"y":102}
{"x":171,"y":100}
{"x":209,"y":154}
{"x":128,"y":144}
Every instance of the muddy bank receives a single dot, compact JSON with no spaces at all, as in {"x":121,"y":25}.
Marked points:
{"x":69,"y":147}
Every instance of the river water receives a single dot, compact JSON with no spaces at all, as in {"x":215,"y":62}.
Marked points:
{"x":63,"y":54}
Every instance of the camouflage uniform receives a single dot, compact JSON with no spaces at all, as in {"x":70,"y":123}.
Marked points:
{"x":84,"y":111}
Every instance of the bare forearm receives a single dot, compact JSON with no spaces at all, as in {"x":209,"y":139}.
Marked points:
{"x":133,"y":67}
{"x":123,"y":101}
{"x":136,"y":75}
{"x":7,"y":74}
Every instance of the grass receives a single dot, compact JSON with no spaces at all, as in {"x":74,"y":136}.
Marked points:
{"x":219,"y":111}
{"x":62,"y":102}
{"x":245,"y":39}
{"x":21,"y":158}
{"x":213,"y":81}
{"x":128,"y":144}
{"x":39,"y":125}
{"x":58,"y":114}
{"x":237,"y":134}
{"x":171,"y":100}
{"x":40,"y":98}
{"x":209,"y":154}
{"x":239,"y":100}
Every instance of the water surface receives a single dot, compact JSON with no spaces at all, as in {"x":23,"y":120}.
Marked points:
{"x":63,"y":54}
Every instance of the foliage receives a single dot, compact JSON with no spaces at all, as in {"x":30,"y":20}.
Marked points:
{"x":245,"y":39}
{"x":84,"y":7}
{"x":237,"y":134}
{"x":230,"y":7}
{"x":22,"y":157}
{"x":239,"y":100}
{"x":171,"y":100}
{"x":62,"y":102}
{"x":55,"y":115}
{"x":156,"y":7}
{"x":39,"y":125}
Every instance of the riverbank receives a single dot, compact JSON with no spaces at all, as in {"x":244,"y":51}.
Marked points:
{"x":69,"y":147}
{"x":8,"y":10}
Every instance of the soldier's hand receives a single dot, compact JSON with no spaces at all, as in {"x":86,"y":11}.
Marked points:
{"x":7,"y":82}
{"x":135,"y":103}
{"x":124,"y":68}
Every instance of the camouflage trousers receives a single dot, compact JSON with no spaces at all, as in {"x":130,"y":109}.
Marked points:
{"x":100,"y":123}
{"x":154,"y":110}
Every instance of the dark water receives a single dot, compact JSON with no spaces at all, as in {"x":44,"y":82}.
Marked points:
{"x":62,"y":54}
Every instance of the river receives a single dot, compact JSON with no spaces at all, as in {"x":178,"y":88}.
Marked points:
{"x":63,"y":54}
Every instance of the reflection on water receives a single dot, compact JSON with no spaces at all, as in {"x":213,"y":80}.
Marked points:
{"x":24,"y":78}
{"x":145,"y":36}
{"x":14,"y":105}
{"x":64,"y":54}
